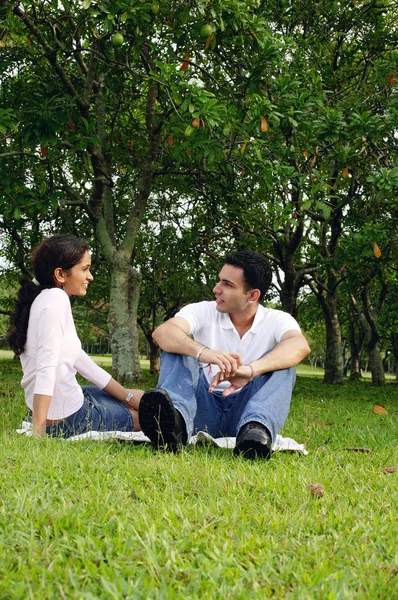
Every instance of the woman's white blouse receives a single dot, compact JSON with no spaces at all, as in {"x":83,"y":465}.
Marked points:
{"x":53,"y":355}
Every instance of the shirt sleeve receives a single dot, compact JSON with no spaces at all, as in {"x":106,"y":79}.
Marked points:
{"x":195,"y":315}
{"x":284,"y":322}
{"x":91,"y":371}
{"x":50,"y":331}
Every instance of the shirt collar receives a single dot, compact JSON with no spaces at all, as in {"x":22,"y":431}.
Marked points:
{"x":226,"y":322}
{"x":259,"y":317}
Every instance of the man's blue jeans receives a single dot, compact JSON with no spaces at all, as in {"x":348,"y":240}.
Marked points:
{"x":266,"y":399}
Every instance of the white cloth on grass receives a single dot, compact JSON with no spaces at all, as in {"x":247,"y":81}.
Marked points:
{"x":201,"y":437}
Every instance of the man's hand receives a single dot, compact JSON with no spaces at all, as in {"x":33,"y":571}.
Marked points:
{"x":242,"y":376}
{"x":227,"y":362}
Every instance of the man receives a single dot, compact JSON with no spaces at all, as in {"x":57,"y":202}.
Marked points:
{"x":236,"y":376}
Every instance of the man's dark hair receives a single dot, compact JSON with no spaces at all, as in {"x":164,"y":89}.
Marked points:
{"x":257,"y":271}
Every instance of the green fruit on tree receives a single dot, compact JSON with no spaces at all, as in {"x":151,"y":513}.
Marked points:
{"x":117,"y":40}
{"x":189,"y":131}
{"x":206,"y":30}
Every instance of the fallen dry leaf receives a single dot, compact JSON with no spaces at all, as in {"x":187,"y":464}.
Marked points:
{"x":380,"y":410}
{"x":390,"y":469}
{"x":364,"y":450}
{"x":316,"y":489}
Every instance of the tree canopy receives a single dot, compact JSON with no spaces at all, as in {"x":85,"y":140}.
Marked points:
{"x":169,"y":133}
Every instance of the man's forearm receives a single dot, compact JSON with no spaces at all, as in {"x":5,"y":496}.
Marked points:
{"x":288,"y":353}
{"x":172,"y":338}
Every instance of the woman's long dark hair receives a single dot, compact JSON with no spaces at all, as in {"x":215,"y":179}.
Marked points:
{"x":63,"y":251}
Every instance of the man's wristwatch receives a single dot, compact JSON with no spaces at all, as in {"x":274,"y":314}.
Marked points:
{"x":128,"y":397}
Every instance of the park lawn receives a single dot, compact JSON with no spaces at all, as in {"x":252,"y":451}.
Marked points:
{"x":91,"y":520}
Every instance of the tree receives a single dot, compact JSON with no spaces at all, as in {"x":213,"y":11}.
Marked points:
{"x":92,"y":109}
{"x":270,"y":126}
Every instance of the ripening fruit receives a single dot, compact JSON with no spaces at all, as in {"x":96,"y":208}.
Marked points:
{"x":376,"y":250}
{"x":206,"y":30}
{"x":117,"y":40}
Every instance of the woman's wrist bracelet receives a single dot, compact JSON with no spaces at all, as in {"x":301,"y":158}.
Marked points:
{"x":252,"y":370}
{"x":199,"y":352}
{"x":128,"y":398}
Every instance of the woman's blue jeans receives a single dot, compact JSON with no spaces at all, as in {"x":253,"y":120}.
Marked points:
{"x":99,"y":412}
{"x":266,"y":399}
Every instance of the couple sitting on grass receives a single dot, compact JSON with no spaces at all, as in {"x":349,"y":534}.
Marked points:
{"x":242,"y":390}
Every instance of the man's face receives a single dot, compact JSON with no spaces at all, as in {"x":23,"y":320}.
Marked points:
{"x":231,"y":294}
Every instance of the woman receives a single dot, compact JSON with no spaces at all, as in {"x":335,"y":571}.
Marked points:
{"x":42,"y":332}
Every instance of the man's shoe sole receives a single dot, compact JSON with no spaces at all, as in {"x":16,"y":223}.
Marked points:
{"x":157,"y":418}
{"x":254,"y":444}
{"x":253,"y":449}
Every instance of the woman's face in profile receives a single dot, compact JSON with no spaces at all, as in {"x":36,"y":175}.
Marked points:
{"x":79,"y":277}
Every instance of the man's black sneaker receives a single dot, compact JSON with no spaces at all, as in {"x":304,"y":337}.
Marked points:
{"x":161,"y":422}
{"x":253,"y":441}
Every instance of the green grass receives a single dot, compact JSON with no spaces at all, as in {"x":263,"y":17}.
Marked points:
{"x":90,"y":520}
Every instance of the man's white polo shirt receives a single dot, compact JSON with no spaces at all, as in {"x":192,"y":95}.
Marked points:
{"x":216,"y":331}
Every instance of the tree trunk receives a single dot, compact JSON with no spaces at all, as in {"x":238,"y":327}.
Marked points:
{"x":355,"y":368}
{"x":394,"y":340}
{"x":285,"y":249}
{"x":375,"y":360}
{"x":376,"y":364}
{"x":122,"y":319}
{"x":288,"y":292}
{"x":355,"y":345}
{"x":374,"y":356}
{"x":334,"y":363}
{"x":154,"y":358}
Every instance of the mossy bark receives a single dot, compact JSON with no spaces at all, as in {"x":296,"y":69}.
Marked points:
{"x":122,"y":319}
{"x":334,"y":364}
